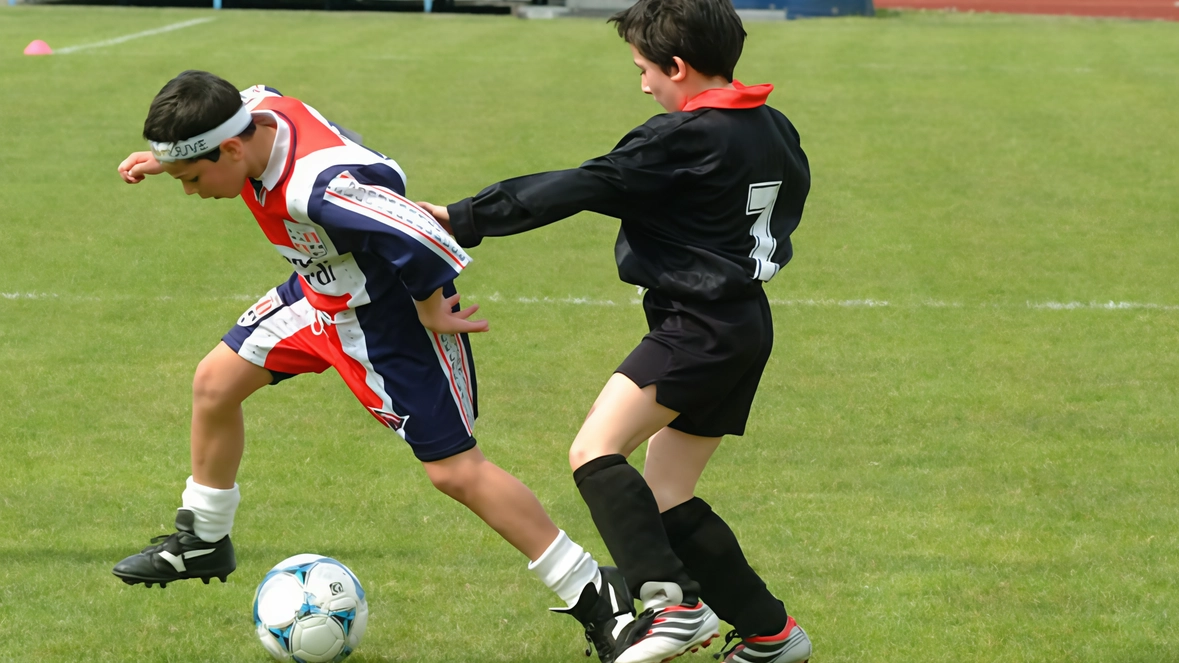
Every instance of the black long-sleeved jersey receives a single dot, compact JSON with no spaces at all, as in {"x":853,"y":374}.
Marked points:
{"x":708,"y":197}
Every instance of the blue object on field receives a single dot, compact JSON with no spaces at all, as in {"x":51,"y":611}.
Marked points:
{"x":216,"y":4}
{"x":429,"y":6}
{"x":808,"y":8}
{"x":817,"y":8}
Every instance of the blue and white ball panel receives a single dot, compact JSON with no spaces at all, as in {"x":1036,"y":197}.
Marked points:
{"x":310,"y":609}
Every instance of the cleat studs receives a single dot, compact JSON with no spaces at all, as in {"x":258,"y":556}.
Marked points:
{"x":163,"y":585}
{"x":205,"y":580}
{"x":222,"y":578}
{"x":147,"y":584}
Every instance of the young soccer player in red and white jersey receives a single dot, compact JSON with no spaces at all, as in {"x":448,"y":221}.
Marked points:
{"x":708,"y":195}
{"x":372,"y":296}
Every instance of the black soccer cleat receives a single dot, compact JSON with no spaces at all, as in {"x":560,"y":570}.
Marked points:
{"x":608,"y":615}
{"x":178,"y":556}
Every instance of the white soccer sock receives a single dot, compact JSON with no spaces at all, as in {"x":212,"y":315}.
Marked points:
{"x":212,"y":509}
{"x":566,"y":568}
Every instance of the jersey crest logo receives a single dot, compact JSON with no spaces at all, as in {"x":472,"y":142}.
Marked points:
{"x":391,"y":419}
{"x":305,"y":239}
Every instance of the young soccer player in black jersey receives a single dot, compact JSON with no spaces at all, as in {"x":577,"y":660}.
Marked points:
{"x":708,"y":195}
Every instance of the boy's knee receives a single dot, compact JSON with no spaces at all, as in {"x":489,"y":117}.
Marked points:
{"x":453,"y":480}
{"x":212,"y":386}
{"x":581,"y":453}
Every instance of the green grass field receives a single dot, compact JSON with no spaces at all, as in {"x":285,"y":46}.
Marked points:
{"x":965,"y":447}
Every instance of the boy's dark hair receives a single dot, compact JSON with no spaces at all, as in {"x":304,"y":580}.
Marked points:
{"x":706,"y":34}
{"x":191,"y":104}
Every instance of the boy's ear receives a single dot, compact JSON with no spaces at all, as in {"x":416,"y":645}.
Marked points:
{"x":679,"y":69}
{"x":234,"y":148}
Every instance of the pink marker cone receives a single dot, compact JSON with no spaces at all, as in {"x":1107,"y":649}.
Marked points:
{"x":38,"y":47}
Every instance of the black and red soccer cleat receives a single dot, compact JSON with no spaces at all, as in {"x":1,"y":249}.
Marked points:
{"x":178,"y":556}
{"x":790,"y":646}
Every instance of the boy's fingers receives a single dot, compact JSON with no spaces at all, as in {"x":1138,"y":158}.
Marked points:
{"x":436,"y":211}
{"x":440,"y":214}
{"x":467,"y":312}
{"x":477,"y":326}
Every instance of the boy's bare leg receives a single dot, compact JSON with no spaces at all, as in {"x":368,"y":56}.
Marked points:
{"x":512,"y":510}
{"x":498,"y":498}
{"x":703,"y":541}
{"x":675,"y":461}
{"x":201,"y":548}
{"x":222,"y":382}
{"x":627,"y":516}
{"x":623,"y":417}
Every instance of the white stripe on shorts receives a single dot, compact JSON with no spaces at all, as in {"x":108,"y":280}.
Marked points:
{"x":452,"y":359}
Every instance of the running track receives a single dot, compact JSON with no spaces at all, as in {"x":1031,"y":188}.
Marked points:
{"x":1142,"y":9}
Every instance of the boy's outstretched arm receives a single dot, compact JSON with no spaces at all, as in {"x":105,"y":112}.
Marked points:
{"x":608,"y":185}
{"x":524,"y":203}
{"x":438,"y":315}
{"x":138,"y":166}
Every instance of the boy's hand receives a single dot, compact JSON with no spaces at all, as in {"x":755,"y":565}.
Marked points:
{"x":138,"y":166}
{"x":440,"y":214}
{"x":437,"y":315}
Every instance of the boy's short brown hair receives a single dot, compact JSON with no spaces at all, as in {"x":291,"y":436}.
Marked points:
{"x":191,"y":104}
{"x":706,"y":34}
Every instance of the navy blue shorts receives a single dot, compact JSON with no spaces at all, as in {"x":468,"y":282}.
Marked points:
{"x":419,"y":384}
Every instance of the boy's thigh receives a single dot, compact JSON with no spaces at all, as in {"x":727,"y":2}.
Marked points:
{"x":419,"y":385}
{"x":623,"y":417}
{"x":705,"y":360}
{"x":224,"y":377}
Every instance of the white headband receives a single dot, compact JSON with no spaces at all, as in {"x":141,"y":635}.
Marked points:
{"x":203,"y":143}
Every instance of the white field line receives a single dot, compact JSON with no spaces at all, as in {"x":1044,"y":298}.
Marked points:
{"x":146,"y":33}
{"x":590,"y":301}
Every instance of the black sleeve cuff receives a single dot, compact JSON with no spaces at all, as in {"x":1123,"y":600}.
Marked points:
{"x":462,"y":223}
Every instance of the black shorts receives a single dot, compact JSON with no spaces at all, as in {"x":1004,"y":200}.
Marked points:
{"x":705,"y":360}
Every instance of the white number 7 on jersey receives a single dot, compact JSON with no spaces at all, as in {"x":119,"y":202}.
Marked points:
{"x":762,"y":197}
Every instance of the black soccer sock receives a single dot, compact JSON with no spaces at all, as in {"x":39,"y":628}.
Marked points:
{"x":711,"y":554}
{"x":627,"y":517}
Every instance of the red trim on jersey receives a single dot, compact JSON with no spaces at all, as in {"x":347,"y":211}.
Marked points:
{"x":399,"y":222}
{"x":332,"y":304}
{"x":740,"y":96}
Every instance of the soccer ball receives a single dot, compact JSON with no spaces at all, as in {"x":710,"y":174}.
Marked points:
{"x":310,"y":609}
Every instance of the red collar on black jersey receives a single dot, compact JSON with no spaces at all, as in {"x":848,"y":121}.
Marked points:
{"x":740,"y":96}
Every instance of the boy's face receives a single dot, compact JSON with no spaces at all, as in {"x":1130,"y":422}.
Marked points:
{"x":223,"y":178}
{"x":663,"y":86}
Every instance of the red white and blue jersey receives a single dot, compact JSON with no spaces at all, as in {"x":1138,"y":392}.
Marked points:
{"x":337,"y":212}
